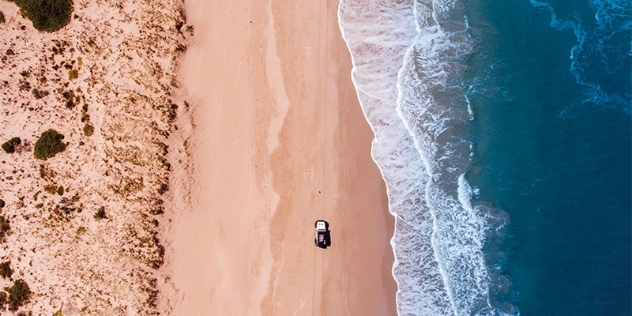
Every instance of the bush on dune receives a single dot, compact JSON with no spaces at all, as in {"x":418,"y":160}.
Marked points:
{"x":49,"y":144}
{"x":100,"y":214}
{"x":4,"y":227}
{"x":19,"y":294}
{"x":9,"y":146}
{"x":46,"y":15}
{"x":5,"y":269}
{"x":88,"y":130}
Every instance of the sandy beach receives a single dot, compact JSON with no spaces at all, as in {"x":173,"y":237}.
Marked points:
{"x":276,"y":141}
{"x":194,"y":148}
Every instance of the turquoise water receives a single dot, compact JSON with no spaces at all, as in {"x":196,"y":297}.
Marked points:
{"x":503,"y":134}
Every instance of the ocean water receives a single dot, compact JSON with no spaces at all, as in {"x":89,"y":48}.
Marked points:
{"x":503,"y":133}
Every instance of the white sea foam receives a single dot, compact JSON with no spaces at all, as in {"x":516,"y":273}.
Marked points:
{"x":407,"y":69}
{"x":435,"y":109}
{"x":378,"y":34}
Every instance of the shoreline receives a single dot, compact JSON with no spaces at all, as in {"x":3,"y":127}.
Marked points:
{"x":278,"y":140}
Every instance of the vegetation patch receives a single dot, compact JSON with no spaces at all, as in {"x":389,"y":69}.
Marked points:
{"x":163,"y":188}
{"x":38,"y":94}
{"x":173,"y":112}
{"x":71,"y":99}
{"x":46,"y":173}
{"x":9,"y":146}
{"x":5,"y":269}
{"x":50,"y":188}
{"x":156,"y":211}
{"x":88,"y":130}
{"x":2,"y":17}
{"x":1,"y":203}
{"x":19,"y":294}
{"x":46,"y":15}
{"x":100,"y":214}
{"x":60,"y":190}
{"x":73,"y":74}
{"x":49,"y":144}
{"x":4,"y":226}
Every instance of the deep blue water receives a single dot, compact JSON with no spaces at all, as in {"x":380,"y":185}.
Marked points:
{"x":503,"y":134}
{"x":552,"y":149}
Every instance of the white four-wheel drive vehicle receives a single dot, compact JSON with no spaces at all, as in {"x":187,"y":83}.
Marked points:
{"x":322,"y":239}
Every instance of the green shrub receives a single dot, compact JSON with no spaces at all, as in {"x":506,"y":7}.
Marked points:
{"x":46,"y":15}
{"x":5,"y":269}
{"x":19,"y":294}
{"x":60,"y":190}
{"x":100,"y":214}
{"x":1,"y":17}
{"x":88,"y":130}
{"x":9,"y":146}
{"x":49,"y":144}
{"x":1,"y":203}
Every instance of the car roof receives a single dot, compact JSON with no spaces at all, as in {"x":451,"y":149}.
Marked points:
{"x":321,"y":225}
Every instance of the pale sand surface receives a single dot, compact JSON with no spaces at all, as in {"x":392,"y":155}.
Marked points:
{"x":123,"y":55}
{"x":279,"y":141}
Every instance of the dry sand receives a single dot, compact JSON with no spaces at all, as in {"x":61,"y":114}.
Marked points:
{"x":113,"y":68}
{"x":278,"y":141}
